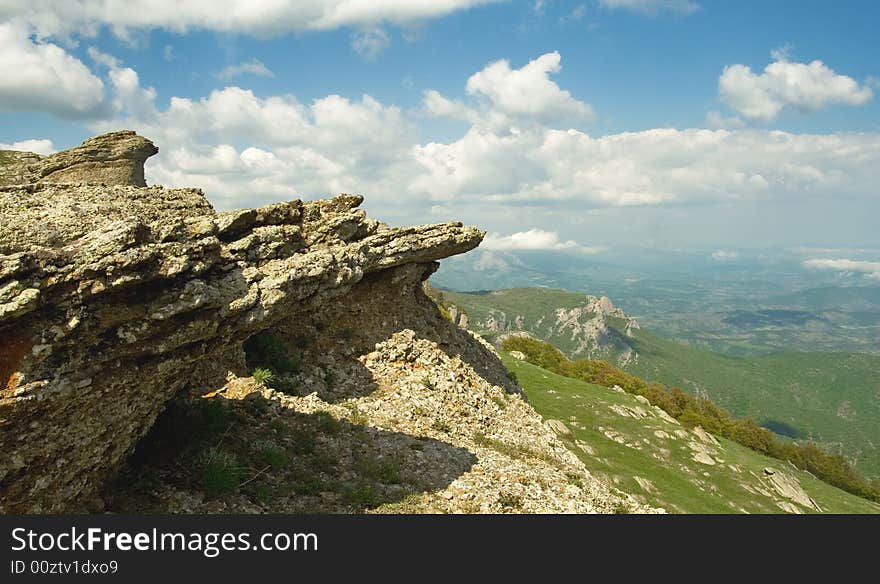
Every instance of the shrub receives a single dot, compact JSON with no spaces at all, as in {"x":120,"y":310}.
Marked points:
{"x":263,"y":376}
{"x":221,"y":474}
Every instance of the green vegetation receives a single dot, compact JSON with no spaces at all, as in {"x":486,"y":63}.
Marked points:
{"x":262,"y":375}
{"x":271,"y":360}
{"x":700,"y":411}
{"x":832,"y":399}
{"x":221,"y":473}
{"x":630,"y":453}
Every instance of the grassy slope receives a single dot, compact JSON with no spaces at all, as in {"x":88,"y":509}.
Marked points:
{"x":833,"y":398}
{"x":678,"y":483}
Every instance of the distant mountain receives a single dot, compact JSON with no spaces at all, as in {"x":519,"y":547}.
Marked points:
{"x":745,"y":305}
{"x":832,"y":398}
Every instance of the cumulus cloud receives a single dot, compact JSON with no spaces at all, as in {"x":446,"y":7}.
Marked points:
{"x":41,"y":76}
{"x":38,"y":146}
{"x":252,"y":67}
{"x":723,"y":255}
{"x":245,"y":149}
{"x":506,"y":97}
{"x":805,"y":86}
{"x":528,"y":92}
{"x":869,"y":269}
{"x":533,"y":239}
{"x":646,"y":168}
{"x":653,"y":7}
{"x":261,"y":18}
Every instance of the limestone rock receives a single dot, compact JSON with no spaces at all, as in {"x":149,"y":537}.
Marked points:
{"x":112,"y":298}
{"x":787,"y":486}
{"x":558,"y":427}
{"x":112,"y":159}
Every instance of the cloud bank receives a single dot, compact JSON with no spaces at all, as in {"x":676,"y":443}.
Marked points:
{"x":869,"y":269}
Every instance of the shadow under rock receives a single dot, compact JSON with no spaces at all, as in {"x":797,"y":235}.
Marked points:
{"x":329,"y":339}
{"x":255,"y":455}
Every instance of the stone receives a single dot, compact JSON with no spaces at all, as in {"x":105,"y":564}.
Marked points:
{"x":559,"y":427}
{"x":111,"y":159}
{"x":788,"y":486}
{"x":519,"y":355}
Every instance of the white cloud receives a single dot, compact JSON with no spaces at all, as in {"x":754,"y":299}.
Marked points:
{"x":870,"y":269}
{"x":716,"y":121}
{"x":723,"y":255}
{"x":438,"y":106}
{"x":369,"y":43}
{"x":489,"y":261}
{"x":653,"y":7}
{"x":528,"y":92}
{"x":245,"y":149}
{"x":255,"y":17}
{"x":533,"y":239}
{"x":252,"y":67}
{"x":804,"y":86}
{"x":288,"y":149}
{"x":507,"y":98}
{"x":42,"y":146}
{"x":41,"y":76}
{"x":646,"y":168}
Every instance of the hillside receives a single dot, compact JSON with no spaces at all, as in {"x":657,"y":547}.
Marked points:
{"x":643,"y":451}
{"x":832,"y":398}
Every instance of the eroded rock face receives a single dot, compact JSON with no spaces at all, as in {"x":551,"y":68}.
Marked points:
{"x":116,"y":158}
{"x":114,"y":298}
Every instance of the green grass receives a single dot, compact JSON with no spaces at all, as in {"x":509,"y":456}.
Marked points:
{"x":679,"y":484}
{"x":830,"y":398}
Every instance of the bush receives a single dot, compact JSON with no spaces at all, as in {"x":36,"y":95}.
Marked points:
{"x":263,"y":376}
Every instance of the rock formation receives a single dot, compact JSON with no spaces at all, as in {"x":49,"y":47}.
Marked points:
{"x":115,"y":297}
{"x":111,"y":159}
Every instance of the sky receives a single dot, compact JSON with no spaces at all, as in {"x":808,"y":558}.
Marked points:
{"x":582,"y":125}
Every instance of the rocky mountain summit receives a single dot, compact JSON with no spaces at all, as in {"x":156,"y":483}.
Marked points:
{"x":117,"y":299}
{"x":592,"y":327}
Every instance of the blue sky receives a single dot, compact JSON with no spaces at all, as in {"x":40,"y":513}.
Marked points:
{"x":554,"y":125}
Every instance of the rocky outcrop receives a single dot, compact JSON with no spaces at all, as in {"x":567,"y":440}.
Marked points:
{"x":111,"y":159}
{"x":118,"y":299}
{"x":112,"y":299}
